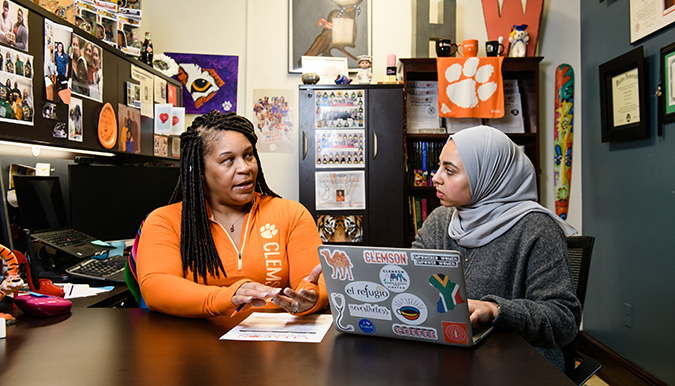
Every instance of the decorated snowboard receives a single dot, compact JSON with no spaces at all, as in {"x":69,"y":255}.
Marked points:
{"x":562,"y":138}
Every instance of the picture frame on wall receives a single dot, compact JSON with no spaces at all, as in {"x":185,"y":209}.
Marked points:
{"x":623,"y":98}
{"x":323,"y":28}
{"x":667,"y":87}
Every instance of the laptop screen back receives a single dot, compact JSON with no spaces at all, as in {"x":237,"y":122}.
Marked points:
{"x":40,"y":201}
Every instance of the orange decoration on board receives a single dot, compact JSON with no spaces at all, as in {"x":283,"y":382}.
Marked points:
{"x":107,"y":126}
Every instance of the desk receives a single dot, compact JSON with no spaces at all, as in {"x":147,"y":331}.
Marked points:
{"x":130,"y":346}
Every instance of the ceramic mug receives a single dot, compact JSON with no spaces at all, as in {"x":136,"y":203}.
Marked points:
{"x":469,"y":48}
{"x":445,"y":47}
{"x":494,"y":48}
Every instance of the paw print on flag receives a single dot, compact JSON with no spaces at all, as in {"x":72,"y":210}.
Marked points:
{"x":470,"y":87}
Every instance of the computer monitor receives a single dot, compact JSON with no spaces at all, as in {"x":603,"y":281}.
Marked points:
{"x":110,"y":201}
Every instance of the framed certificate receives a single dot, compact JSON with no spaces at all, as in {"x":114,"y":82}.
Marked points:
{"x":667,"y":87}
{"x":623,"y":98}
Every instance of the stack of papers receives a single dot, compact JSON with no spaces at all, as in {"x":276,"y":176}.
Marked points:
{"x":281,"y":327}
{"x":513,"y":121}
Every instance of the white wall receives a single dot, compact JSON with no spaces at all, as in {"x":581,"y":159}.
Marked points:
{"x":257,"y":31}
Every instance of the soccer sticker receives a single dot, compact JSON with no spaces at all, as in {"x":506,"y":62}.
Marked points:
{"x":449,"y":292}
{"x":394,"y":278}
{"x":409,"y":309}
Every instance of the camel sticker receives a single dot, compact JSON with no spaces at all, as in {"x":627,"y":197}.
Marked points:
{"x":339,"y":261}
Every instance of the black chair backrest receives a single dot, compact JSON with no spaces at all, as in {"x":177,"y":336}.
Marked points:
{"x":579,"y":250}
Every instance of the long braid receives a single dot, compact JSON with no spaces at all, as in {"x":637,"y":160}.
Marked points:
{"x":198,"y":250}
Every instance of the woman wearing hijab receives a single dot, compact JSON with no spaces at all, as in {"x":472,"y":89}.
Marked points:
{"x":515,"y":251}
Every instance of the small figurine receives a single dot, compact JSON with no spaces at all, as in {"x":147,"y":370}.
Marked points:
{"x":341,"y":79}
{"x":518,"y":39}
{"x":12,"y":281}
{"x":365,"y":73}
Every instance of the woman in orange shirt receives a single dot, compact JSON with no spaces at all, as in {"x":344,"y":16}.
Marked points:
{"x":228,"y":241}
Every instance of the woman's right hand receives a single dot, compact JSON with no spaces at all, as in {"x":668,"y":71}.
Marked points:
{"x":254,"y":293}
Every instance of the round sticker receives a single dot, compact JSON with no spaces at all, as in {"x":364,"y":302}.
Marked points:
{"x":394,"y":278}
{"x":409,"y":309}
{"x":366,"y":326}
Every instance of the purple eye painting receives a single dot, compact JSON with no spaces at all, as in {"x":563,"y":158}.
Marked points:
{"x":209,"y":82}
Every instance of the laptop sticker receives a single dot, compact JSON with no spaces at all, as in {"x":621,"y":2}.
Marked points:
{"x":448,"y":292}
{"x":395,"y":278}
{"x":415,"y":332}
{"x":367,"y":291}
{"x":454,"y":332}
{"x":372,"y":311}
{"x":366,"y":326}
{"x":339,"y":304}
{"x":409,"y":309}
{"x":339,"y":261}
{"x":433,"y":259}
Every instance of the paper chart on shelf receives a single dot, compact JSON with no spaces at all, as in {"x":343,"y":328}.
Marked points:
{"x":339,"y":148}
{"x":281,"y":327}
{"x":341,"y":109}
{"x":340,"y":190}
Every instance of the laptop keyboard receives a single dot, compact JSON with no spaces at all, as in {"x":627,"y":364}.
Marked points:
{"x":99,"y":268}
{"x":66,"y":237}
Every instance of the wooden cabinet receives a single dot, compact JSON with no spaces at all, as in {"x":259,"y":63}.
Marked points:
{"x":352,"y":168}
{"x":525,"y":71}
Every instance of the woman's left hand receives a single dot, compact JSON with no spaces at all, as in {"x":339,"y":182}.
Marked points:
{"x":482,"y":312}
{"x":299,"y":301}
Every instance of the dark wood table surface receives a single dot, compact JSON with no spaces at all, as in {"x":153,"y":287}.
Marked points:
{"x":131,"y":346}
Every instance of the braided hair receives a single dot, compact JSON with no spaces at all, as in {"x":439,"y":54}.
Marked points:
{"x":197,"y":248}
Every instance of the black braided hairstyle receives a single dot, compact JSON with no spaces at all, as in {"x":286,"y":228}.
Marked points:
{"x":198,"y":251}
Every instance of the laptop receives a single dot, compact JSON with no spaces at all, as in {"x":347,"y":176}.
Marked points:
{"x":413,"y":294}
{"x":43,"y":213}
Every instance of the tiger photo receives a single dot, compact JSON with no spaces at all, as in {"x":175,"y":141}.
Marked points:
{"x":337,"y":229}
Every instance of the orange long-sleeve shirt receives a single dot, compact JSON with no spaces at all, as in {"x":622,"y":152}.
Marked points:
{"x":278,"y":247}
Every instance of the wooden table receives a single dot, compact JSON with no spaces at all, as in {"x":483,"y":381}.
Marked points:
{"x":131,"y":346}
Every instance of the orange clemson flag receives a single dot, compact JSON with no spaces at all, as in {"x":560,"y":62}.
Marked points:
{"x":470,"y":87}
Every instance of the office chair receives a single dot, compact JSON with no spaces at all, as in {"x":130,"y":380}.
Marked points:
{"x":130,"y":275}
{"x":579,"y":251}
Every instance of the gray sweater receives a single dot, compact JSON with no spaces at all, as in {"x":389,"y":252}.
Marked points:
{"x":525,"y":271}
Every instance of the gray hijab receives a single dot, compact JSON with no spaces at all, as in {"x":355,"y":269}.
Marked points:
{"x":503,"y":187}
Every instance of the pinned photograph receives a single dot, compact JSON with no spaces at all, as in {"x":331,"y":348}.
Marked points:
{"x":129,"y":129}
{"x":75,"y":120}
{"x":86,"y":69}
{"x":14,"y":25}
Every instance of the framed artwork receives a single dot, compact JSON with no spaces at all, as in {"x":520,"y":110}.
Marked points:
{"x":667,"y":91}
{"x":209,"y":82}
{"x":623,"y":98}
{"x":324,"y":28}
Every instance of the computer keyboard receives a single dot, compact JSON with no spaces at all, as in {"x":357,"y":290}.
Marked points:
{"x":102,"y":269}
{"x":66,"y":237}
